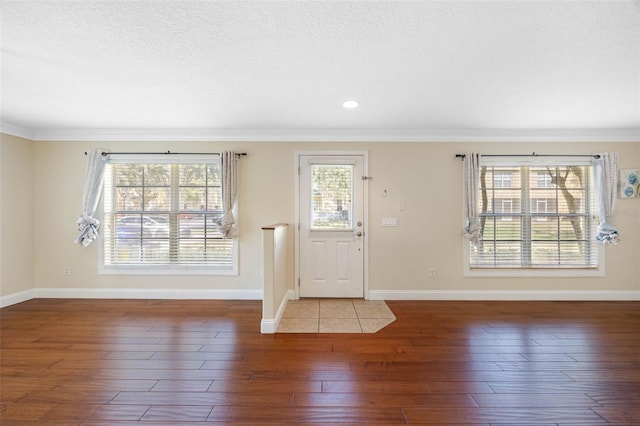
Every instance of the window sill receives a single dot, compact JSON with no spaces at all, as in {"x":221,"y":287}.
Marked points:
{"x":534,"y":272}
{"x":167,"y":270}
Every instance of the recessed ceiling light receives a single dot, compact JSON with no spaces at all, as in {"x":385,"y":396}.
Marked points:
{"x":350,"y":104}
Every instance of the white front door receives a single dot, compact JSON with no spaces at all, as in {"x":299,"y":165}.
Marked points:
{"x":331,"y":227}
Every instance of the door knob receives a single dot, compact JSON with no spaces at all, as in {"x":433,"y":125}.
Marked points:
{"x":358,"y":234}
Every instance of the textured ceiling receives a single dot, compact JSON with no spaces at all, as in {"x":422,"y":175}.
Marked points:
{"x":287,"y":66}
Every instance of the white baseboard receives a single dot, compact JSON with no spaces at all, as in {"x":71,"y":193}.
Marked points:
{"x":551,"y":295}
{"x":238,"y":294}
{"x":130,"y":293}
{"x":12,"y":299}
{"x":269,"y":326}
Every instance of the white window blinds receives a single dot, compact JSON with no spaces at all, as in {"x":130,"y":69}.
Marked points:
{"x":164,"y":213}
{"x":536,"y":215}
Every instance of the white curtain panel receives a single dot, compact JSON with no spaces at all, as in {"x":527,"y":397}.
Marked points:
{"x":605,"y":170}
{"x":471,"y":184}
{"x":88,"y":225}
{"x":227,"y":222}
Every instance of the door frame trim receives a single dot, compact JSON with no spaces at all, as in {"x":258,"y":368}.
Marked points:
{"x":365,"y":213}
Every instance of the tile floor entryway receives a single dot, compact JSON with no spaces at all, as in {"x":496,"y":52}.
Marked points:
{"x":335,"y":316}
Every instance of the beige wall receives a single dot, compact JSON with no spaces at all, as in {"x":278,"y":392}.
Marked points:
{"x":424,"y":176}
{"x":16,"y":218}
{"x":430,"y":183}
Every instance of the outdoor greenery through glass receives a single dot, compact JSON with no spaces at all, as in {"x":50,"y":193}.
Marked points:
{"x":332,"y":190}
{"x":157,"y":214}
{"x":535,"y":217}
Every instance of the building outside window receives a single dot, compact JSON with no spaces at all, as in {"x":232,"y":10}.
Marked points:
{"x":544,"y":179}
{"x":502,"y":179}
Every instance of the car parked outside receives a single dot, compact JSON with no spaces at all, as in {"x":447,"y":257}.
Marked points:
{"x":136,"y":226}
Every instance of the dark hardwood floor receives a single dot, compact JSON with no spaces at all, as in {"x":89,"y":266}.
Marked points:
{"x":133,"y":362}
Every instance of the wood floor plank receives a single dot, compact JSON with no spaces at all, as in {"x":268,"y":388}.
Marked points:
{"x":198,"y":356}
{"x":203,"y":398}
{"x":298,"y":415}
{"x":174,"y":423}
{"x":425,"y":366}
{"x":125,"y":347}
{"x":290,"y":364}
{"x":617,"y":396}
{"x":7,"y":422}
{"x":408,"y":388}
{"x":571,"y":387}
{"x":175,"y":413}
{"x":24,"y":412}
{"x":131,"y":355}
{"x":495,"y":400}
{"x":89,"y":362}
{"x":416,"y":354}
{"x":58,"y":396}
{"x":265,"y":386}
{"x":619,"y":414}
{"x":514,"y":416}
{"x":135,"y":364}
{"x":631,"y":375}
{"x":96,"y":412}
{"x":106,"y":385}
{"x":168,"y":374}
{"x":182,"y":385}
{"x":363,"y":399}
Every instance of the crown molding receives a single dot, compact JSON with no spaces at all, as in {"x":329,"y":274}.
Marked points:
{"x":292,"y":135}
{"x":13,"y":130}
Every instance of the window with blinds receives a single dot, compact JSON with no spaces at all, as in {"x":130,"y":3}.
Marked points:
{"x":164,"y":214}
{"x":536,"y":216}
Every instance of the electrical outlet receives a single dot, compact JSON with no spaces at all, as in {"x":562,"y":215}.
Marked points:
{"x":67,"y":271}
{"x":432,"y":272}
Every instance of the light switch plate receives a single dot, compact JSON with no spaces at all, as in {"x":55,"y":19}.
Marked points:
{"x":389,"y":221}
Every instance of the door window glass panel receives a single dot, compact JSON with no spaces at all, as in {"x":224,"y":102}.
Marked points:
{"x":331,"y":198}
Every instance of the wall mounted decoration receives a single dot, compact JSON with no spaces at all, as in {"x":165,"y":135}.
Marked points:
{"x":629,"y":183}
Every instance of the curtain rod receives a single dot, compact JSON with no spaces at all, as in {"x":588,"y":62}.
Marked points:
{"x":461,"y":156}
{"x":104,"y":154}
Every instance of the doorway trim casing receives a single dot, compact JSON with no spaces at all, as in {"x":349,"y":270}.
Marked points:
{"x":365,"y":213}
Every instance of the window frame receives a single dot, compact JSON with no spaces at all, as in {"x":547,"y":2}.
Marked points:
{"x":538,"y":214}
{"x":505,"y":180}
{"x":547,"y":271}
{"x":545,"y":180}
{"x":505,"y":214}
{"x":167,"y":268}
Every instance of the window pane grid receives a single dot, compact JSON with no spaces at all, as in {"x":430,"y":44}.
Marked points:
{"x":164,"y":214}
{"x":535,"y":217}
